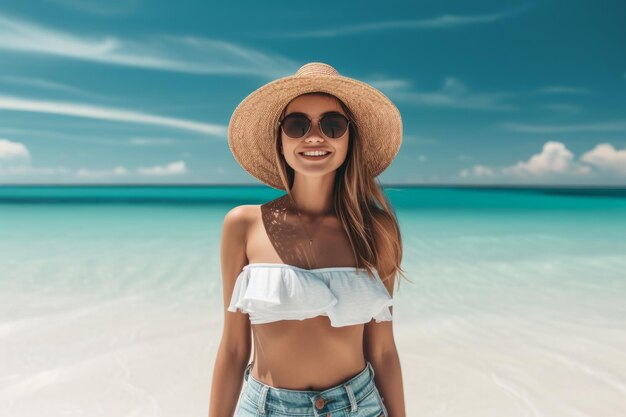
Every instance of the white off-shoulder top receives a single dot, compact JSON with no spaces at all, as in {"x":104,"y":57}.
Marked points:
{"x":270,"y":292}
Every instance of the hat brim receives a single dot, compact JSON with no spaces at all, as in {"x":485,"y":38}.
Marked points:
{"x":253,"y":126}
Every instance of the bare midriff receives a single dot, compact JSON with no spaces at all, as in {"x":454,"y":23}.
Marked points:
{"x":306,"y":354}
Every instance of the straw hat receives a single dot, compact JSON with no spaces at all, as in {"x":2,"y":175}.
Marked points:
{"x":253,"y":126}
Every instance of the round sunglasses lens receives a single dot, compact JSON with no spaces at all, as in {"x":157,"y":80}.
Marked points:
{"x":295,"y":126}
{"x":334,"y":126}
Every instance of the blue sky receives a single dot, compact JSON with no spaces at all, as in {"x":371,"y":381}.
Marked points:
{"x":136,"y":91}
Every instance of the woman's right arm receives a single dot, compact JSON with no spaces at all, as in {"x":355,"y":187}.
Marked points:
{"x":235,"y":346}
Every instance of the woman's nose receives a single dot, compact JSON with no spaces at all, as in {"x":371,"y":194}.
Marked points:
{"x":314,"y":138}
{"x":314,"y":133}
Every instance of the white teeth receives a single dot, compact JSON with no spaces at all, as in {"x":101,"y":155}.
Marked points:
{"x":315,"y":153}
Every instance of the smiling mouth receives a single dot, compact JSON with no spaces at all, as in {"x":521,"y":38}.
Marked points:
{"x":315,"y":156}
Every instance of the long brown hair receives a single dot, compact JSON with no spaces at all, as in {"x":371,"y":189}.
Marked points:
{"x":361,"y":206}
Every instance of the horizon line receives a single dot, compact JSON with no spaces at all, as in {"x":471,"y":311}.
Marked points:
{"x":255,"y":185}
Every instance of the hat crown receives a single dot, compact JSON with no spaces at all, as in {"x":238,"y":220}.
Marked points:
{"x":313,"y":69}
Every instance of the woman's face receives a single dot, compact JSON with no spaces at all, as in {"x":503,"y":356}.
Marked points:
{"x":314,"y":105}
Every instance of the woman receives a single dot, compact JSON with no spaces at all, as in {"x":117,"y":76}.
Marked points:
{"x":322,"y":327}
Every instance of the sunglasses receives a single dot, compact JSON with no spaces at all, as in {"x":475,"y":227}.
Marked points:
{"x":332,"y":124}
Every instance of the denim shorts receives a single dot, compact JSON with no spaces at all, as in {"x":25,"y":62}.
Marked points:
{"x":356,"y":397}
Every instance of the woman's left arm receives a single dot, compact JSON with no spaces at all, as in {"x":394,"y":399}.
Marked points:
{"x":380,"y":349}
{"x":379,"y":345}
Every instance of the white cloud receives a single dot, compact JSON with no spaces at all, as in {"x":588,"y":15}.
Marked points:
{"x":554,"y":158}
{"x":15,"y":160}
{"x":174,"y":168}
{"x":390,"y":84}
{"x":106,"y":113}
{"x":27,"y":169}
{"x":477,"y":171}
{"x":118,"y":171}
{"x":440,"y":22}
{"x":453,"y":94}
{"x":49,"y":85}
{"x":605,"y":157}
{"x":186,"y":54}
{"x":139,"y":141}
{"x":13,"y":151}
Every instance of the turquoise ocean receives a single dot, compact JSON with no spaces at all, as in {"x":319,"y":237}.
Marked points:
{"x":111,"y":299}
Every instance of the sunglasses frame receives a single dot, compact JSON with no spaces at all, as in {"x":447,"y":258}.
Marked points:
{"x":319,"y":124}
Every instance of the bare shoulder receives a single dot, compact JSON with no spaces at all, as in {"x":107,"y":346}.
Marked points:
{"x":239,"y":218}
{"x":237,"y":222}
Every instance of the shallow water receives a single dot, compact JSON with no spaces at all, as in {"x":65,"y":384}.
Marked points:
{"x":111,"y":300}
